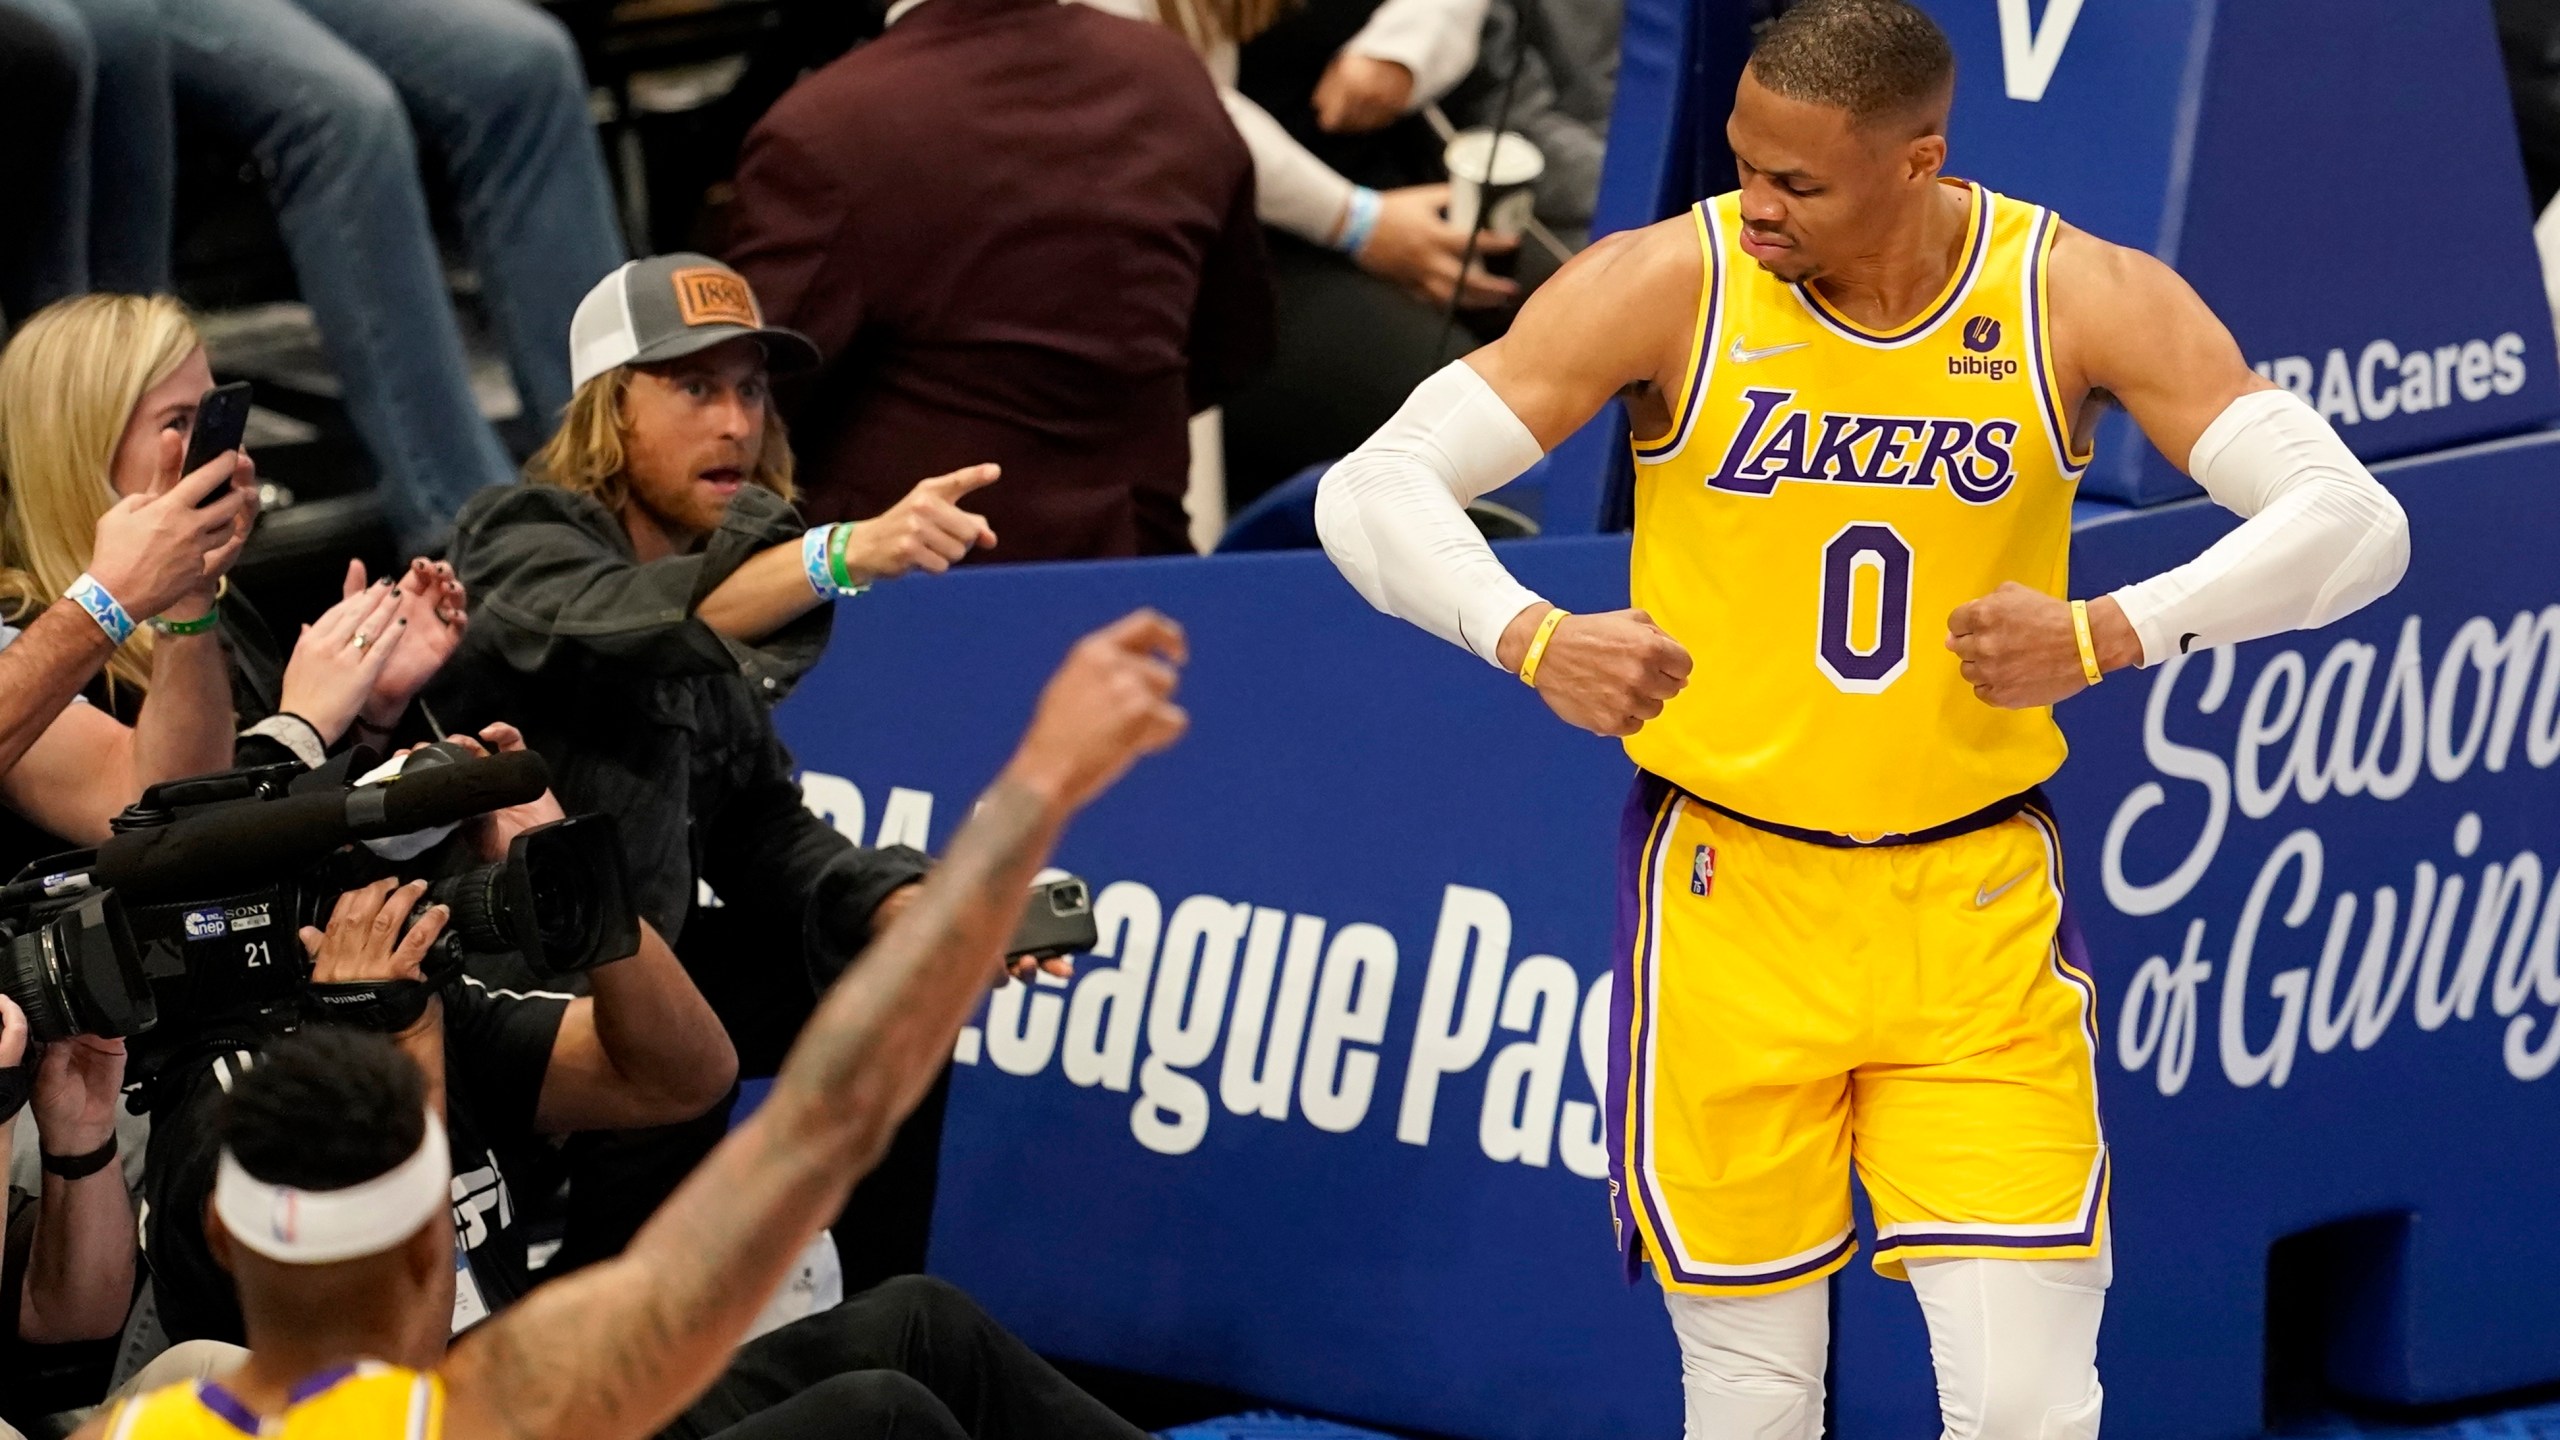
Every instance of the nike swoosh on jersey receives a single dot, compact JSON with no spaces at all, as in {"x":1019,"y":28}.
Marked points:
{"x":1982,"y":897}
{"x":1744,"y":355}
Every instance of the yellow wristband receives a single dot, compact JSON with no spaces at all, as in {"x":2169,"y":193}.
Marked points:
{"x":1538,"y":646}
{"x":2088,"y":647}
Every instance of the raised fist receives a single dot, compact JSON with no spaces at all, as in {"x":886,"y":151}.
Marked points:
{"x":1110,"y":704}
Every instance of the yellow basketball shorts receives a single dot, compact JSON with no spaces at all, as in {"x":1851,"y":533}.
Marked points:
{"x":1785,"y":1009}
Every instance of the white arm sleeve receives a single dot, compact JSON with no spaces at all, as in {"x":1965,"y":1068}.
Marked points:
{"x":2322,"y":540}
{"x":1434,"y":39}
{"x":1292,"y":189}
{"x":1393,"y":517}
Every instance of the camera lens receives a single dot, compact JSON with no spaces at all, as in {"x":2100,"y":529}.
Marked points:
{"x":477,"y":899}
{"x":76,"y":972}
{"x":559,"y":899}
{"x":27,"y":976}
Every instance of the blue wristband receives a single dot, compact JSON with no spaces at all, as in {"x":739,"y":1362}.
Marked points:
{"x":813,"y":562}
{"x":1361,"y":220}
{"x":817,"y":564}
{"x":91,"y":596}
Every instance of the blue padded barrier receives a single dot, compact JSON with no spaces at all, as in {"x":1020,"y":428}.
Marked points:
{"x":1402,"y":855}
{"x":2269,"y":149}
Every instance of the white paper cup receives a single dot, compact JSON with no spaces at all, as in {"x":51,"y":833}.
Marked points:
{"x":1489,"y":183}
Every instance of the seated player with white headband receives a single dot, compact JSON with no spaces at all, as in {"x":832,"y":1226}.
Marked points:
{"x":333,"y":1208}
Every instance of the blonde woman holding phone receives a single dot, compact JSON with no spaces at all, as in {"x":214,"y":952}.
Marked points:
{"x":97,"y":399}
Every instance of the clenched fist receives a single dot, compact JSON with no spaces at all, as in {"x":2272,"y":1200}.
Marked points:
{"x":1108,"y":706}
{"x":2019,"y":650}
{"x":926,"y":530}
{"x":1607,"y":674}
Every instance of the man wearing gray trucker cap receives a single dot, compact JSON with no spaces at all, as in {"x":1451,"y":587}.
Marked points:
{"x":637,"y":609}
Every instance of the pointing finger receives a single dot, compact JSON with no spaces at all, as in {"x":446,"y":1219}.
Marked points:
{"x":960,"y":482}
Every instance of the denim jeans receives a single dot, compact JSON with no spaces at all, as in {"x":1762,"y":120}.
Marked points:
{"x":334,"y":98}
{"x":103,"y":212}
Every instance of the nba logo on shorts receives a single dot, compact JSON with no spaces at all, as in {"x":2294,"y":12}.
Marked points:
{"x":1702,"y":871}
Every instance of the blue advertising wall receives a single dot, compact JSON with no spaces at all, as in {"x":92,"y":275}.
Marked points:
{"x":1319,"y":1123}
{"x":2338,"y":178}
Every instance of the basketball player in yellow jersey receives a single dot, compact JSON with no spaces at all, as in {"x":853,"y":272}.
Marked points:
{"x":1862,"y":393}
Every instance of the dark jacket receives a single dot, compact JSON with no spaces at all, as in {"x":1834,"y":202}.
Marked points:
{"x":1019,"y":232}
{"x":647,"y":714}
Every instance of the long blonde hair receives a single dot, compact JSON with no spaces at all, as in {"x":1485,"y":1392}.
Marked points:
{"x":1209,"y":23}
{"x":586,"y":453}
{"x":69,"y":381}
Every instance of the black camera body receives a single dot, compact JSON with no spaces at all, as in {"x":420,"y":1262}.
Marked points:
{"x":183,"y":931}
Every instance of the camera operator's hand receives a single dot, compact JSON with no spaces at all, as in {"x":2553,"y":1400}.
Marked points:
{"x":493,"y":832}
{"x":433,"y":613}
{"x":13,"y":1033}
{"x":77,"y":1085}
{"x":153,"y":549}
{"x":340,"y":657}
{"x":366,"y":939}
{"x":1108,"y":705}
{"x":926,"y":530}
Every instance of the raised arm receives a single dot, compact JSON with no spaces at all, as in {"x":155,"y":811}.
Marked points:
{"x":657,"y":1323}
{"x":2321,"y":538}
{"x":1612,"y":322}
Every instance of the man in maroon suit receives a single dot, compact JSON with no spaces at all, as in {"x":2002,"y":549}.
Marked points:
{"x":1019,"y":232}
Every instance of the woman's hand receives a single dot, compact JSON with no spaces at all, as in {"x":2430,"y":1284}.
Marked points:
{"x":366,"y":939}
{"x":1415,"y":246}
{"x":340,"y":657}
{"x":433,"y":611}
{"x":177,"y":539}
{"x":1359,"y":92}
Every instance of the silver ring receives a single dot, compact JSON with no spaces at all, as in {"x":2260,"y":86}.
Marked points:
{"x":362,"y":639}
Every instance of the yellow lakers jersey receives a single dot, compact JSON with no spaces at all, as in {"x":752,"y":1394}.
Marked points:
{"x":1826,"y":496}
{"x":365,"y":1401}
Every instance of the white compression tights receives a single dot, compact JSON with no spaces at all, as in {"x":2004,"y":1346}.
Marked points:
{"x":2015,"y":1343}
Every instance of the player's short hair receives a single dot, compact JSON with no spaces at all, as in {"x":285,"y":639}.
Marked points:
{"x":1873,"y":58}
{"x":324,"y":1109}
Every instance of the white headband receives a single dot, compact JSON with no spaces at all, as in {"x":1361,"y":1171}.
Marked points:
{"x":322,"y":1227}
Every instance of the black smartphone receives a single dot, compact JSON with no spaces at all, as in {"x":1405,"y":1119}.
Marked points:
{"x":222,"y":421}
{"x":1058,"y":922}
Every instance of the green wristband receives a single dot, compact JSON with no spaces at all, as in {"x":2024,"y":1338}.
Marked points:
{"x":839,"y":567}
{"x":206,"y":621}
